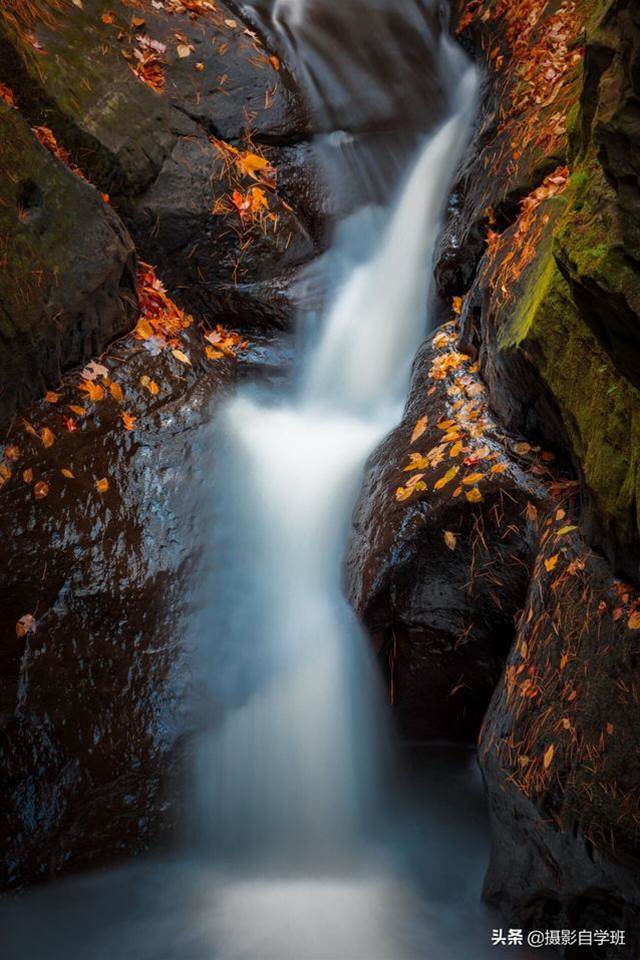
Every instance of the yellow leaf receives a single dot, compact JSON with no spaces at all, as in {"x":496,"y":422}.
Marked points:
{"x":128,"y":420}
{"x":419,"y":429}
{"x":563,"y":530}
{"x":456,"y":449}
{"x":67,"y":473}
{"x":415,"y":479}
{"x":94,"y":390}
{"x":182,"y":357}
{"x":51,"y":397}
{"x":150,"y":385}
{"x":474,"y":495}
{"x":27,"y":475}
{"x":403,"y":493}
{"x":550,"y":564}
{"x":416,"y":462}
{"x":445,"y":424}
{"x":472,"y":479}
{"x":213,"y":354}
{"x":116,"y":391}
{"x":250,"y":163}
{"x":498,"y":468}
{"x":447,"y":478}
{"x":47,"y":437}
{"x":450,"y":539}
{"x":76,"y":409}
{"x":634,"y":620}
{"x":184,"y":50}
{"x":456,"y":304}
{"x":548,"y":757}
{"x":102,"y":485}
{"x":522,"y":448}
{"x":143,"y":329}
{"x":41,"y":490}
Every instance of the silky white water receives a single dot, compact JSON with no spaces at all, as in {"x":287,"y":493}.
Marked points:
{"x":293,"y":770}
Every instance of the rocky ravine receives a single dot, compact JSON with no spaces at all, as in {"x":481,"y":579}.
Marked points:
{"x":533,"y":403}
{"x":122,"y":147}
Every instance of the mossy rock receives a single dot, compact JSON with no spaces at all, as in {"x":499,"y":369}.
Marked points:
{"x":68,"y":282}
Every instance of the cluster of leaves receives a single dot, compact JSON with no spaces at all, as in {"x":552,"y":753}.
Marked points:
{"x":547,"y":681}
{"x":462,"y":457}
{"x":538,"y":49}
{"x":250,"y":177}
{"x":510,"y":253}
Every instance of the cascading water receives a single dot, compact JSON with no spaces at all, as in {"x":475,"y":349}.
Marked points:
{"x":291,"y":774}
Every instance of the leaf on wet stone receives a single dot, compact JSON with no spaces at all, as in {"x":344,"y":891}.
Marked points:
{"x":149,"y":385}
{"x":102,"y":485}
{"x":116,"y":391}
{"x":12,"y":452}
{"x":633,"y":622}
{"x":93,"y":390}
{"x":548,"y":757}
{"x":41,"y":490}
{"x":472,"y":479}
{"x":474,"y":495}
{"x":26,"y":624}
{"x":128,"y":420}
{"x":182,"y":357}
{"x":446,"y":478}
{"x":27,"y":475}
{"x":551,"y":563}
{"x":564,"y":530}
{"x":67,"y":473}
{"x":48,"y":437}
{"x":51,"y":397}
{"x":450,"y":539}
{"x":419,"y":429}
{"x":184,"y":50}
{"x":522,"y":448}
{"x":94,"y":370}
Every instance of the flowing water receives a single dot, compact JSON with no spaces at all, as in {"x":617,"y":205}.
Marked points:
{"x":299,"y":848}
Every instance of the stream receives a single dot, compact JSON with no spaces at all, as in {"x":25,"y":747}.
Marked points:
{"x":311,"y":834}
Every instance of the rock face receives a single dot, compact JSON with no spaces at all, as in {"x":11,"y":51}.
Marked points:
{"x":441,"y":549}
{"x":102,"y":481}
{"x":543,"y":249}
{"x":67,"y":285}
{"x":138,"y":111}
{"x":540,"y":259}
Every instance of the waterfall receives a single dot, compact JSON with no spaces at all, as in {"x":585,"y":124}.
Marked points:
{"x":292,"y":772}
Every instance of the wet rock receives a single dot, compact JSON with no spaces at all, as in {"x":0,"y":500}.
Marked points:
{"x":100,"y":530}
{"x":146,"y":139}
{"x":558,"y":750}
{"x":68,"y":280}
{"x":437,"y":572}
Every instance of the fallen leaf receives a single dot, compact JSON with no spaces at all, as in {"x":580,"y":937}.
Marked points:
{"x":47,"y":436}
{"x":182,"y":357}
{"x":548,"y":757}
{"x":12,"y":453}
{"x":184,"y":50}
{"x":128,"y":420}
{"x":551,"y":563}
{"x":27,"y":475}
{"x":610,"y":728}
{"x":149,"y":384}
{"x":450,"y":539}
{"x":419,"y":429}
{"x":94,"y":370}
{"x":633,"y":622}
{"x":51,"y":397}
{"x":474,"y":495}
{"x":447,"y":478}
{"x":102,"y":485}
{"x":213,"y":354}
{"x":41,"y":490}
{"x":26,"y":624}
{"x":93,"y":390}
{"x":67,"y":473}
{"x":116,"y":391}
{"x":563,"y":530}
{"x":472,"y":479}
{"x":522,"y":448}
{"x":76,"y":409}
